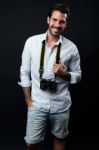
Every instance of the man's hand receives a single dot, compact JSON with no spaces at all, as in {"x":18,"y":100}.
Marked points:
{"x":27,"y":96}
{"x":59,"y":70}
{"x":29,"y":102}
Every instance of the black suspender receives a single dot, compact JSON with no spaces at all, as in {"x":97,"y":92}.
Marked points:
{"x":41,"y":69}
{"x":58,"y":54}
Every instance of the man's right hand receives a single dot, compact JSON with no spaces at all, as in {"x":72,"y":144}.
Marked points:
{"x":27,"y":95}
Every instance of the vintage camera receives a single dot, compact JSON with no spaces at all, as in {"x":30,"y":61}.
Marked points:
{"x":48,"y":85}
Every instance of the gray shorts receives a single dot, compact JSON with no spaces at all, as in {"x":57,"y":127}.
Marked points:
{"x":37,"y":122}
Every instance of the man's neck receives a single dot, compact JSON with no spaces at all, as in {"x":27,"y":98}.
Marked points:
{"x":51,"y":39}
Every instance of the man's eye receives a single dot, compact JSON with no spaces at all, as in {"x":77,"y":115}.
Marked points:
{"x":62,"y":22}
{"x":54,"y":19}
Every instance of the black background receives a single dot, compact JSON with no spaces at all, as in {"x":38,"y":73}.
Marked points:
{"x":18,"y":21}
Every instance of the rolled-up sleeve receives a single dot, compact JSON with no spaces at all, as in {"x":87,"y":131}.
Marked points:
{"x":75,"y":67}
{"x":25,"y":68}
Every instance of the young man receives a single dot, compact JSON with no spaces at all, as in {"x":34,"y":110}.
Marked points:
{"x":50,"y":62}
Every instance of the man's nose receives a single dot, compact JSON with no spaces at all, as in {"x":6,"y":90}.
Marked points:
{"x":58,"y":24}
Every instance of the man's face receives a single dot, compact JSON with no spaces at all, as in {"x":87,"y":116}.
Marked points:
{"x":57,"y":23}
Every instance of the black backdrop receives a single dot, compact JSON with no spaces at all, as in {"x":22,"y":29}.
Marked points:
{"x":18,"y":21}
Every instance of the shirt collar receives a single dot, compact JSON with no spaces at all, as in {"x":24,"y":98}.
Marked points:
{"x":44,"y":37}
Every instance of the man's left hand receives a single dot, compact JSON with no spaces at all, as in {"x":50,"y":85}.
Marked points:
{"x":59,"y":70}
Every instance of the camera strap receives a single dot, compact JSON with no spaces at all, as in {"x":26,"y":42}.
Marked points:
{"x":41,"y":69}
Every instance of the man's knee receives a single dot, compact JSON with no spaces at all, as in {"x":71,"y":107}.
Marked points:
{"x":29,"y":146}
{"x":59,"y":139}
{"x":33,"y":146}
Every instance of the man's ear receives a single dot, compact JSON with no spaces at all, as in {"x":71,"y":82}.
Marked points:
{"x":48,"y":20}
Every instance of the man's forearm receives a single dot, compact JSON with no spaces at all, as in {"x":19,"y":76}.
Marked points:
{"x":65,"y":76}
{"x":27,"y":95}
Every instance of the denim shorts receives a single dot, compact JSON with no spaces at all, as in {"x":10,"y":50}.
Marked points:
{"x":37,"y":122}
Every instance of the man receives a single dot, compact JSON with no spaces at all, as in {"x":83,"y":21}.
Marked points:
{"x":50,"y":62}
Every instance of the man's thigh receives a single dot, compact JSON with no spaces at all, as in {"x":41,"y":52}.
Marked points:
{"x":59,"y":124}
{"x":36,"y":126}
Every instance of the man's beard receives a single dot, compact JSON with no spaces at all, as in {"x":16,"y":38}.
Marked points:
{"x":55,"y":31}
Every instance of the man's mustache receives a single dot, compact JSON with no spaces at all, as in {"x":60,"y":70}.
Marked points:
{"x":59,"y":28}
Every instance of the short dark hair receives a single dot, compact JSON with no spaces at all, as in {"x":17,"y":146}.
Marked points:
{"x":59,"y":7}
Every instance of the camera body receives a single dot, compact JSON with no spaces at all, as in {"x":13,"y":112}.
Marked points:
{"x":48,"y":85}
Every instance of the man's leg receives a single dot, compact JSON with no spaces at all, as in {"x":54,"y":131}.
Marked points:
{"x":33,"y":146}
{"x":59,"y":128}
{"x":35,"y":129}
{"x":58,"y":144}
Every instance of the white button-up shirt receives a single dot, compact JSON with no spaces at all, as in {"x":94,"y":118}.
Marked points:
{"x":47,"y":101}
